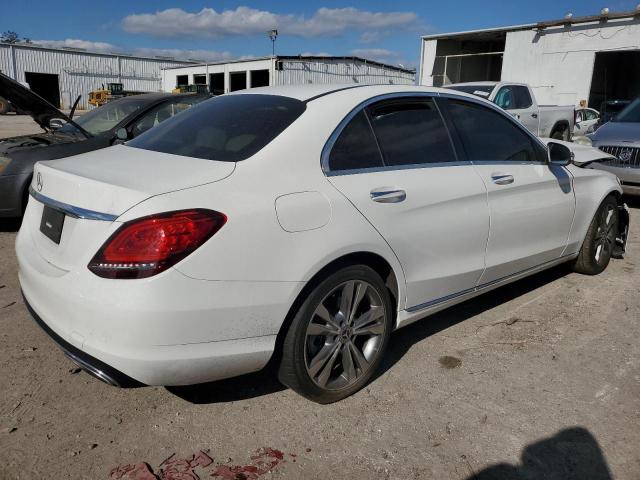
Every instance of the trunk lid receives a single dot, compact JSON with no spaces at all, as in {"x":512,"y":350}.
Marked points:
{"x":114,"y":179}
{"x":102,"y":185}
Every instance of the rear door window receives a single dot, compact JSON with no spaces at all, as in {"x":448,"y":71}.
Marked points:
{"x":410,"y":132}
{"x":487,"y":135}
{"x":228,"y":128}
{"x":355,"y":147}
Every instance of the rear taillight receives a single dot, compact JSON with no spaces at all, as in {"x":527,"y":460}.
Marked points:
{"x":147,"y":246}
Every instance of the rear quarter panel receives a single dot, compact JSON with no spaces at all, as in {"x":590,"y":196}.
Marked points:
{"x":254,"y":245}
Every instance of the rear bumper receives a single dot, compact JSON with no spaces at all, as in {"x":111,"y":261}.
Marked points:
{"x":11,"y":194}
{"x":91,"y":365}
{"x":165,"y":330}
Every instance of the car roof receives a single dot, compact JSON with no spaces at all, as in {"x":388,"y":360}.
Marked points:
{"x":155,"y":96}
{"x":308,"y":93}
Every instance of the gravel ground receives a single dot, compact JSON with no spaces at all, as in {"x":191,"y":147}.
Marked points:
{"x":539,"y":379}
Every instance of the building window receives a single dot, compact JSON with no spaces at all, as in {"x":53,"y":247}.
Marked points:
{"x":200,"y":79}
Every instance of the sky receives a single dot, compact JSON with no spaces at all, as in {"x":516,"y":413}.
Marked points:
{"x":220,"y":30}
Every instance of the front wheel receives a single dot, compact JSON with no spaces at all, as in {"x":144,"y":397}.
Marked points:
{"x":338,"y":337}
{"x":600,"y":240}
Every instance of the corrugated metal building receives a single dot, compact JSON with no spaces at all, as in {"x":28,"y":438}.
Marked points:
{"x":229,"y":76}
{"x":60,"y":75}
{"x":568,"y":61}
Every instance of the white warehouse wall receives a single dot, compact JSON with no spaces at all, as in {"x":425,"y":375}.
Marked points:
{"x":295,"y":71}
{"x":80,"y":72}
{"x":558,"y":63}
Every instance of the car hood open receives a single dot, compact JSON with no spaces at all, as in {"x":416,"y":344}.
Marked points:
{"x":32,"y":104}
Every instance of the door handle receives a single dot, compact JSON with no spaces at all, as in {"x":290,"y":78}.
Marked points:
{"x":534,"y":115}
{"x":388,"y":195}
{"x":502,"y":179}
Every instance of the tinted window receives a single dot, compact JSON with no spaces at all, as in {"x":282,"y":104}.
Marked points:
{"x":228,"y":128}
{"x":163,"y":112}
{"x":489,"y":135}
{"x":411,"y":132}
{"x":356,"y":146}
{"x":522,"y":97}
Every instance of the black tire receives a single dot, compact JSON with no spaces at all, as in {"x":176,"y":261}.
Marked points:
{"x":304,"y":353}
{"x":599,"y":242}
{"x":4,"y":106}
{"x":560,"y":133}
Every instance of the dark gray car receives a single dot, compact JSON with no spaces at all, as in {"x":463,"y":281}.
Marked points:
{"x":114,"y":122}
{"x":620,"y":137}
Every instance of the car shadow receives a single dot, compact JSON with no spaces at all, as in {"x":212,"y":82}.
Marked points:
{"x":571,"y":454}
{"x":265,"y":382}
{"x":10,"y":224}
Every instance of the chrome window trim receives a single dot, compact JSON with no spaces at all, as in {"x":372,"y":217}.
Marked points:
{"x":415,"y":166}
{"x":70,"y":210}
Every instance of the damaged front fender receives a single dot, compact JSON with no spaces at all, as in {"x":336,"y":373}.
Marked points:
{"x":623,"y":230}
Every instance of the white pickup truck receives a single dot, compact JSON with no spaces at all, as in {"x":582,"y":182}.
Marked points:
{"x":517,"y":99}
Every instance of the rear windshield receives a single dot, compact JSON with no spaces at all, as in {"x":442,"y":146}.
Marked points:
{"x":631,"y":114}
{"x":228,"y":128}
{"x":482,"y":91}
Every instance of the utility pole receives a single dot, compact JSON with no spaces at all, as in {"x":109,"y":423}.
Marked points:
{"x":273,"y":34}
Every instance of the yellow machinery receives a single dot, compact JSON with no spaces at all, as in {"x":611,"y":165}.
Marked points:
{"x":98,"y":98}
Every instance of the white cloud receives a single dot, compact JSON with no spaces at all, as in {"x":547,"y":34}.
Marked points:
{"x":372,"y":36}
{"x":175,"y":22}
{"x":103,"y":47}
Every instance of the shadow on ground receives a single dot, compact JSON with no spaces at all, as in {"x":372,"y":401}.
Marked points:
{"x":571,"y":454}
{"x":265,"y":382}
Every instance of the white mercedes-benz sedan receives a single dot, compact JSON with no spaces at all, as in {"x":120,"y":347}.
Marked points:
{"x":301,"y":224}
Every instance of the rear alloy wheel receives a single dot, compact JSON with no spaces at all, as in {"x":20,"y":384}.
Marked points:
{"x":338,"y":337}
{"x":600,"y":240}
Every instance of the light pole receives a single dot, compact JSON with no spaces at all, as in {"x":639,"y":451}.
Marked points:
{"x":273,"y":34}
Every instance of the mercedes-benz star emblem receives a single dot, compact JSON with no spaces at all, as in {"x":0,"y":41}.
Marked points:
{"x":625,"y":155}
{"x":39,"y":182}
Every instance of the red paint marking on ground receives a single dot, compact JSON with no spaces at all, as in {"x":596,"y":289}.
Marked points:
{"x":263,"y":461}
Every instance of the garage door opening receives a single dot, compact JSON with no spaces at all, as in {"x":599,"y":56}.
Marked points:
{"x":259,"y":78}
{"x":469,"y":58}
{"x":616,"y":76}
{"x":46,"y":85}
{"x":238,"y":81}
{"x":216,"y":83}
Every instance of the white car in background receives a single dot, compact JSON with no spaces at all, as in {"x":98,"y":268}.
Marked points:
{"x":303,"y":223}
{"x":519,"y":101}
{"x":586,"y":121}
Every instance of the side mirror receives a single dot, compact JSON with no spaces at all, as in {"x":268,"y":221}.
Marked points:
{"x":559,"y":154}
{"x":121,"y":135}
{"x":56,"y":123}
